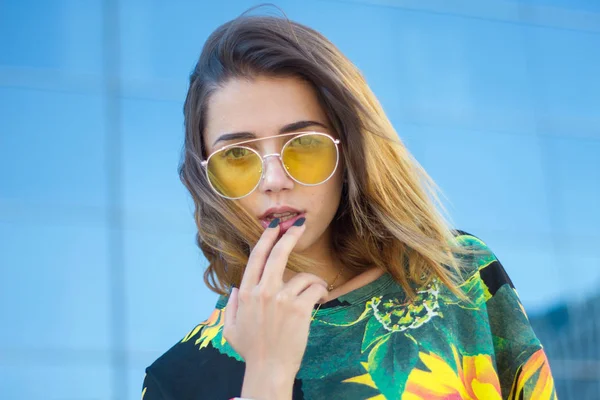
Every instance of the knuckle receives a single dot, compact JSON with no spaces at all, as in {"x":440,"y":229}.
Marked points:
{"x":319,"y":290}
{"x":282,"y":298}
{"x":263,"y":294}
{"x":244,"y":295}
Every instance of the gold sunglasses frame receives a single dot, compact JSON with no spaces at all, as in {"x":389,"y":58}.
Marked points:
{"x":336,"y":142}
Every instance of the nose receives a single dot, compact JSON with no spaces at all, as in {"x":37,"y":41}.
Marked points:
{"x":274,"y":176}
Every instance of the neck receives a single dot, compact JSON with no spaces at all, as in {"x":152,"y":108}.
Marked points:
{"x":331,"y":269}
{"x":327,"y":264}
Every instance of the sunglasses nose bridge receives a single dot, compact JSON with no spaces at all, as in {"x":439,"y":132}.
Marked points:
{"x":271,"y":155}
{"x":272,"y":176}
{"x":265,"y":158}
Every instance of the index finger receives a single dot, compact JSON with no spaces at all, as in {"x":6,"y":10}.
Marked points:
{"x":277,"y":259}
{"x":258,"y":257}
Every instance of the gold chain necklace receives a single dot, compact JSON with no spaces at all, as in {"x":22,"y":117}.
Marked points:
{"x":329,"y":289}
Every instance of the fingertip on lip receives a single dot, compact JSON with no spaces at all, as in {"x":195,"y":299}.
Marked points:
{"x":299,"y":222}
{"x":274,"y":223}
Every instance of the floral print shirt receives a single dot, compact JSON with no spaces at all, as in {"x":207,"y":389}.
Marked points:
{"x":371,"y":344}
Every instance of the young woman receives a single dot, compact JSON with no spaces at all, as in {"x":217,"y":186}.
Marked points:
{"x":346,"y":280}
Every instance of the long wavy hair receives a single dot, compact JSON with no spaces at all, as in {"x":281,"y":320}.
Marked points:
{"x":389,"y":216}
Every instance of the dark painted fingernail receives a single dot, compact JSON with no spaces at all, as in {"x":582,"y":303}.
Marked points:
{"x":274,"y":223}
{"x":299,"y":221}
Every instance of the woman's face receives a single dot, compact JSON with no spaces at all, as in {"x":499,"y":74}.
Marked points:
{"x":263,"y":106}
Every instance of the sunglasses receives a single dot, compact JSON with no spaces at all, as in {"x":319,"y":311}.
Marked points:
{"x":309,"y":158}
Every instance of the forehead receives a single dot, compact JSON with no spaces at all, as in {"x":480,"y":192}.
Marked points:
{"x":262,"y":105}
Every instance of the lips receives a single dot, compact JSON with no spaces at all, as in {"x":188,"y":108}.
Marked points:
{"x":282,"y":216}
{"x":279,"y":212}
{"x":287,"y":216}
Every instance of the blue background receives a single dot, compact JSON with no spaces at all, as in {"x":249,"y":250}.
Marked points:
{"x":100,"y":274}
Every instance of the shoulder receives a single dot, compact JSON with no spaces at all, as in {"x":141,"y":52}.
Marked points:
{"x":202,"y":362}
{"x":482,"y":262}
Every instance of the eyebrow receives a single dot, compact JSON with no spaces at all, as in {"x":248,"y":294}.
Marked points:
{"x":294,"y":126}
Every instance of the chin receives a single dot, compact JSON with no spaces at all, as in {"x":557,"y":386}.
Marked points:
{"x":309,"y":240}
{"x":303,"y":243}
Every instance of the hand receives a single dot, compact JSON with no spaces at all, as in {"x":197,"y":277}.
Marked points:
{"x":267,"y":321}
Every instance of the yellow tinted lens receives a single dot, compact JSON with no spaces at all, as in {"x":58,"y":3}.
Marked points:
{"x":310,"y":159}
{"x":235,"y":171}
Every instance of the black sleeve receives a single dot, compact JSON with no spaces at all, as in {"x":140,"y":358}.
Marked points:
{"x":151,"y":388}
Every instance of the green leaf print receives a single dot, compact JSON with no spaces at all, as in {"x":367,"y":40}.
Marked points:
{"x":475,"y":290}
{"x":390,"y":362}
{"x":475,"y":261}
{"x":374,"y":332}
{"x":343,"y":317}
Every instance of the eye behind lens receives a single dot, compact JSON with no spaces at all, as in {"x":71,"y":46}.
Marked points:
{"x":310,"y":159}
{"x":234,"y":172}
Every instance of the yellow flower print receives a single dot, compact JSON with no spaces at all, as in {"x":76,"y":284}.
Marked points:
{"x":208,"y":329}
{"x":365,"y":380}
{"x":544,"y":383}
{"x":475,"y":378}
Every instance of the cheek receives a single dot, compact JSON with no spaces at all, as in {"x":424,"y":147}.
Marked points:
{"x":323,"y":202}
{"x":250,"y":203}
{"x":326,"y":198}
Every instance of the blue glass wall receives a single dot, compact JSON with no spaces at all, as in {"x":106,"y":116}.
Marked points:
{"x":499,"y":100}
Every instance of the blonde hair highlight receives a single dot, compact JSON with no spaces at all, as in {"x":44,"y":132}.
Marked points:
{"x":390,"y":215}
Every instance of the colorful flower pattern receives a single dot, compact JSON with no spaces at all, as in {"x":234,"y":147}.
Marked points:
{"x":436,"y":347}
{"x":208,"y":329}
{"x":470,"y":377}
